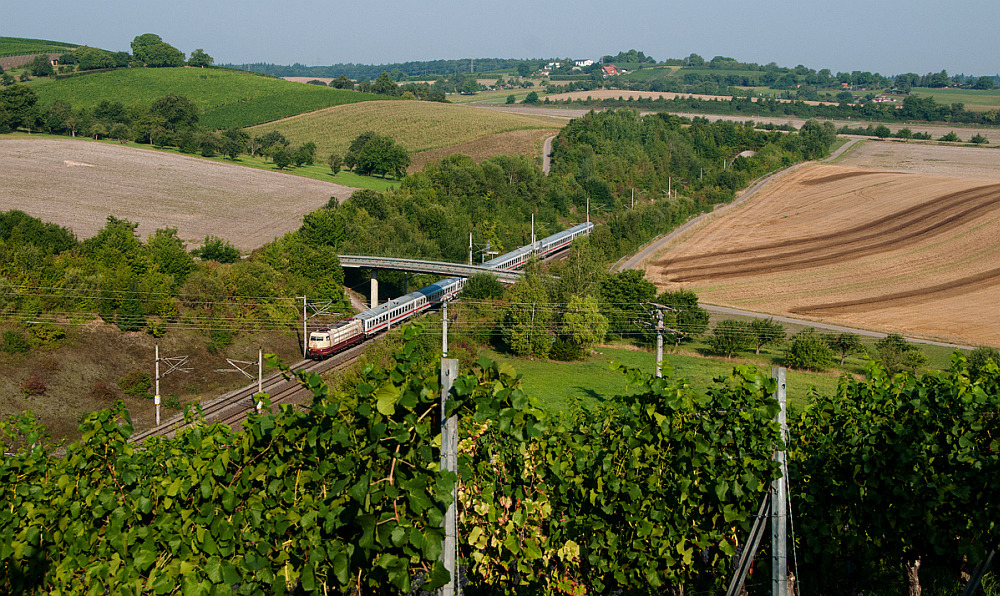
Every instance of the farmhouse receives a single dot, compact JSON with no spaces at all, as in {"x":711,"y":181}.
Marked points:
{"x":582,"y":63}
{"x":611,"y":70}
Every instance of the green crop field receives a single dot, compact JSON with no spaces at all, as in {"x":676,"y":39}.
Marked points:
{"x":18,"y":46}
{"x":415,"y":125}
{"x":973,"y":99}
{"x":228,"y":97}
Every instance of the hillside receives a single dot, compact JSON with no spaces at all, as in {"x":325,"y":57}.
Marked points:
{"x":417,"y":126}
{"x":19,"y":46}
{"x":228,"y":97}
{"x":895,"y":238}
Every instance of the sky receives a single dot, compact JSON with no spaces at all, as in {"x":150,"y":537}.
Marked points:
{"x":885,"y":36}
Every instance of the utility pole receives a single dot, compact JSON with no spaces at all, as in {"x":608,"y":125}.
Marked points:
{"x":670,"y":180}
{"x":470,"y":248}
{"x":588,"y":209}
{"x":659,"y":333}
{"x":305,"y":335}
{"x":173,"y":363}
{"x":444,"y":328}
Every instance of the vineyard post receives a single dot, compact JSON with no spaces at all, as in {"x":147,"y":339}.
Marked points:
{"x":156,"y":397}
{"x":659,"y":343}
{"x":779,"y":500}
{"x":449,"y":461}
{"x":260,"y":375}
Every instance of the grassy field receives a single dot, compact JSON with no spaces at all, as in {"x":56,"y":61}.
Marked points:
{"x":650,"y":73}
{"x":415,"y":125}
{"x":497,"y":97}
{"x":558,"y":384}
{"x":973,"y":99}
{"x":228,"y":97}
{"x":19,"y":46}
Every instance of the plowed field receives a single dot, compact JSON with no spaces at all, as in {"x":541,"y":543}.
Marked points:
{"x":78,"y":184}
{"x":885,"y":250}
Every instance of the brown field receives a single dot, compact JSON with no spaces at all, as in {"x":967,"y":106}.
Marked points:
{"x":78,"y":183}
{"x":895,"y":238}
{"x":516,"y":142}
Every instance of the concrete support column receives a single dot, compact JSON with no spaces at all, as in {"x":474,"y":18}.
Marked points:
{"x":374,"y":288}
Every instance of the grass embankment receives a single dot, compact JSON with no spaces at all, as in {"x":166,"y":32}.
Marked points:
{"x":20,"y":46}
{"x":415,"y":125}
{"x":228,"y":97}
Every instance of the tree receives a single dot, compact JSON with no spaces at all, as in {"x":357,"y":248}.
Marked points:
{"x":583,"y":321}
{"x":951,"y":137}
{"x":531,"y":98}
{"x":895,"y":354}
{"x":18,"y":107}
{"x":384,"y":85}
{"x":690,"y":319}
{"x":808,"y":351}
{"x":88,"y":58}
{"x":729,"y":337}
{"x":170,"y":255}
{"x":336,"y":163}
{"x":845,"y":97}
{"x":984,"y":83}
{"x":217,"y":249}
{"x":844,"y":344}
{"x":200,"y":59}
{"x":622,"y":297}
{"x":234,"y":142}
{"x":904,"y":133}
{"x":342,"y":82}
{"x":177,"y":111}
{"x":281,"y":158}
{"x":525,"y":68}
{"x":41,"y":66}
{"x":483,"y":286}
{"x":511,"y":99}
{"x":882,"y":131}
{"x":979,"y":139}
{"x":372,"y":154}
{"x":765,"y":332}
{"x":121,"y":132}
{"x":149,"y":49}
{"x":470,"y":86}
{"x":304,"y":154}
{"x":525,"y":323}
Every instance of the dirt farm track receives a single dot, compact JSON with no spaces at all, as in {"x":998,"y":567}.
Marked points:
{"x":78,"y":183}
{"x":892,"y":237}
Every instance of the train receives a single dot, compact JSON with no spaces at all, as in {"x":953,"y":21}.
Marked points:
{"x":345,"y":333}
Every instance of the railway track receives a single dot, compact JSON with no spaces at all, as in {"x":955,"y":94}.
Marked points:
{"x":234,"y":407}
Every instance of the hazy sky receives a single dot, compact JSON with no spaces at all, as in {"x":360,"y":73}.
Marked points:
{"x":885,"y":36}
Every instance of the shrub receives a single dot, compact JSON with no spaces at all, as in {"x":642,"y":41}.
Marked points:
{"x":101,"y":391}
{"x":136,"y":383}
{"x":14,"y":343}
{"x":951,"y":137}
{"x":217,"y":249}
{"x":172,"y":401}
{"x":809,"y":351}
{"x":980,"y":140}
{"x":33,"y":385}
{"x":979,"y":357}
{"x":218,"y":340}
{"x":729,"y":337}
{"x":44,"y":335}
{"x":566,"y":349}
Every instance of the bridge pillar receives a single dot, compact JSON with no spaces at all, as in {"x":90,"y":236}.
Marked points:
{"x":374,"y":291}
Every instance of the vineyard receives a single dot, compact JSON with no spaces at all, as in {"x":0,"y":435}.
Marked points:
{"x":228,"y":98}
{"x":655,"y":491}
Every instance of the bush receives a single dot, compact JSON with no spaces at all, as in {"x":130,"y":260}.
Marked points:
{"x":101,"y":391}
{"x":980,"y":140}
{"x":951,"y":137}
{"x":483,"y":286}
{"x":809,"y":351}
{"x":33,"y":385}
{"x":729,"y":337}
{"x":136,"y":383}
{"x":172,"y":401}
{"x":979,"y":357}
{"x":217,"y":249}
{"x":218,"y":340}
{"x":566,"y":349}
{"x":14,"y":343}
{"x":44,"y":335}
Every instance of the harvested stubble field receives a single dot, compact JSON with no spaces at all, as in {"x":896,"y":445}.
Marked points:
{"x":616,"y":94}
{"x":416,"y":125}
{"x":516,"y":142}
{"x":78,"y":183}
{"x":895,"y":238}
